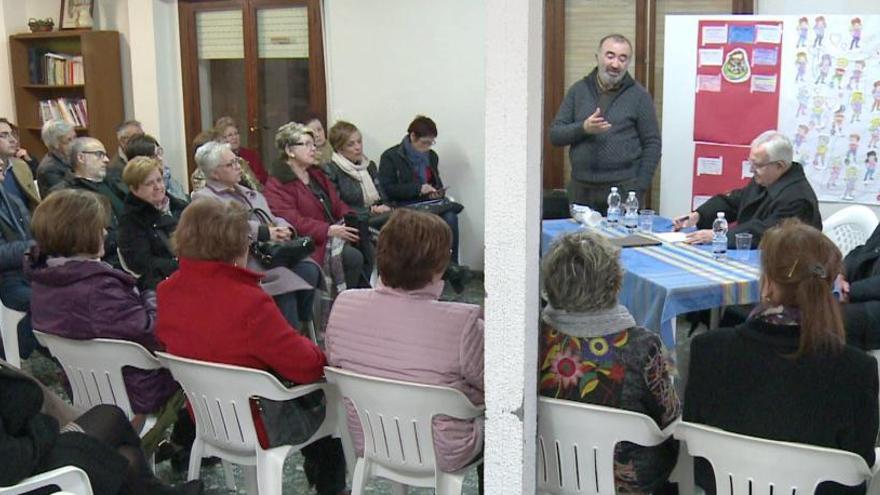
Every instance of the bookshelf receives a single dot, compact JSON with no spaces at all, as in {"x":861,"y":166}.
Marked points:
{"x":101,"y":82}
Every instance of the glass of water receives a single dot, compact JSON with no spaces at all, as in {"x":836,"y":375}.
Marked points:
{"x":646,"y":220}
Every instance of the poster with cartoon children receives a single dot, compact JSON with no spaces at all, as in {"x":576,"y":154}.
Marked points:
{"x":830,"y":102}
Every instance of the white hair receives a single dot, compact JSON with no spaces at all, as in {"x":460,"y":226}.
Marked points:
{"x":53,"y":131}
{"x":776,"y":145}
{"x":208,"y":156}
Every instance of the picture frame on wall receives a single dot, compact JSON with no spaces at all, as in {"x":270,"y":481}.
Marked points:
{"x":77,"y":14}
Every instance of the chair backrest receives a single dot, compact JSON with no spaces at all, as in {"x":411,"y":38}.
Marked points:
{"x":396,"y":417}
{"x":748,"y":465}
{"x":220,"y":398}
{"x":69,"y":479}
{"x":9,"y":319}
{"x":94,"y":368}
{"x":576,"y":444}
{"x":850,"y":227}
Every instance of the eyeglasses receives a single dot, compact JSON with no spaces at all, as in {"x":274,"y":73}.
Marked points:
{"x":101,"y":154}
{"x":6,"y":135}
{"x":308,"y":144}
{"x":761,"y":165}
{"x":426,"y":141}
{"x":232,"y":163}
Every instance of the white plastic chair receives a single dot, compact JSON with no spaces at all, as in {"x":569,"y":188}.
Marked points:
{"x":576,"y":444}
{"x":850,"y":227}
{"x":220,"y":398}
{"x":745,"y":464}
{"x":69,"y":479}
{"x":9,"y":319}
{"x":94,"y":370}
{"x":396,"y":421}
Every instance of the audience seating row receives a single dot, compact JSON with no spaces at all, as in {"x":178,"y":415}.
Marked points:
{"x":575,"y":441}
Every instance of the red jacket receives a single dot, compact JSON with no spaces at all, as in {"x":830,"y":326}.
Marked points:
{"x":293,"y":201}
{"x":217,"y":312}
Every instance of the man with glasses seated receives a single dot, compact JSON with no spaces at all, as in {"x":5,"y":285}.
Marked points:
{"x":778,"y":189}
{"x":89,"y":160}
{"x":19,"y":178}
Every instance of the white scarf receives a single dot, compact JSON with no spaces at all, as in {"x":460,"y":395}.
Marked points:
{"x":359,"y":172}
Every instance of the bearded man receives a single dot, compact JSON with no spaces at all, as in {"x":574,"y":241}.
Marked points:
{"x":608,"y":120}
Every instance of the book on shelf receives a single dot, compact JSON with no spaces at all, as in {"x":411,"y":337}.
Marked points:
{"x":71,"y":110}
{"x":54,"y":69}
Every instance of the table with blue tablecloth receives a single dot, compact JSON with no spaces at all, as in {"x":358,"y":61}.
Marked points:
{"x":662,"y":282}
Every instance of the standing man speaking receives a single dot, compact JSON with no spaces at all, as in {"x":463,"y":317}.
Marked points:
{"x":608,"y":119}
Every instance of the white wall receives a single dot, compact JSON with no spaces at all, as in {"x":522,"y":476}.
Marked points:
{"x":389,"y":60}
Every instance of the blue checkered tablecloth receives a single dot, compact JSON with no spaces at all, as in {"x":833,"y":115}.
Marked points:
{"x":662,"y":282}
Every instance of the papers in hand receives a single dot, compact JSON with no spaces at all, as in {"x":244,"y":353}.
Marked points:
{"x":670,"y":237}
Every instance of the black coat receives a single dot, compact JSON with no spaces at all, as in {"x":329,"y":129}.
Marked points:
{"x":116,"y":200}
{"x":398,"y":177}
{"x":740,"y":380}
{"x":15,"y":234}
{"x":144,"y":239}
{"x":756,"y":208}
{"x":862,"y":313}
{"x":30,"y":442}
{"x":349,"y":189}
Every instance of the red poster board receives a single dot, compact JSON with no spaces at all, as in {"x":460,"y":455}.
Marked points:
{"x":738,"y":99}
{"x":731,"y":177}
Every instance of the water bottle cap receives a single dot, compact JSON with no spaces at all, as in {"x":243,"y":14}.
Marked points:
{"x":720,"y":214}
{"x":613,"y":189}
{"x":632,"y":193}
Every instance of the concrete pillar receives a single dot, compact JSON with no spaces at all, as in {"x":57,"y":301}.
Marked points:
{"x":514,"y":89}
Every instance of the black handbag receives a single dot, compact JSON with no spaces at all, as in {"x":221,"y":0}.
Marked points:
{"x":272,"y":254}
{"x":292,"y":422}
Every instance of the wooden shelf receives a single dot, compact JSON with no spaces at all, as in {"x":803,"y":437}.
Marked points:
{"x":102,"y":71}
{"x":54,"y":86}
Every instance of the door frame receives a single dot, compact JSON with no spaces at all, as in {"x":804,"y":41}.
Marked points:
{"x":187,"y":10}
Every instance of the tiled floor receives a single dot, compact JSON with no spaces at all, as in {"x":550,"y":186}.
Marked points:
{"x":294,"y":478}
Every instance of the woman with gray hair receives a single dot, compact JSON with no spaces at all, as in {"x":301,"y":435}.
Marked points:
{"x":301,"y":193}
{"x":592,"y":351}
{"x":55,"y":167}
{"x":293,"y":288}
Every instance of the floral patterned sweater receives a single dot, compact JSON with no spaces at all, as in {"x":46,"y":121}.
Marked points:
{"x":603,"y":358}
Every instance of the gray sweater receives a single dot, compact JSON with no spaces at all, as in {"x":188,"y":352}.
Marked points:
{"x":630,"y":150}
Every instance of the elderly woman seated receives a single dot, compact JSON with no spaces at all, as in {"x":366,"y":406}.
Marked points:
{"x":356,"y":177}
{"x":592,"y":351}
{"x":421,"y":339}
{"x":292,"y":287}
{"x":240,"y":325}
{"x":301,"y":193}
{"x":786,"y":373}
{"x":77,"y":296}
{"x":146,"y":145}
{"x":147,"y":222}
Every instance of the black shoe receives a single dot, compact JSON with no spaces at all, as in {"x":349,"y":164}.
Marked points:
{"x":458,"y":276}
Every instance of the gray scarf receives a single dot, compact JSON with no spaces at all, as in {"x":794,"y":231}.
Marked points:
{"x":589,"y":324}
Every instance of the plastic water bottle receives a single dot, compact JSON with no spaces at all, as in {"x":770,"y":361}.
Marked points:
{"x":719,"y":237}
{"x":631,"y":212}
{"x":613,"y":207}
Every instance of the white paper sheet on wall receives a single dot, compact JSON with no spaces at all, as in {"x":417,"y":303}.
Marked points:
{"x":710,"y":166}
{"x":714,"y":34}
{"x":768,"y":33}
{"x":699,"y":200}
{"x":747,"y":170}
{"x":711,"y":56}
